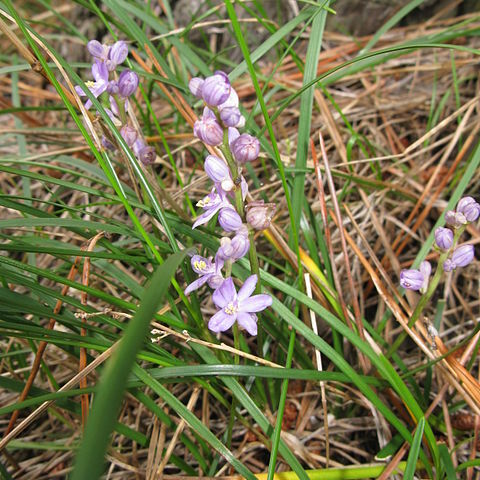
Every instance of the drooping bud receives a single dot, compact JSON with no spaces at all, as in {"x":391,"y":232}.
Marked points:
{"x":207,"y":129}
{"x":455,"y":219}
{"x":97,"y":50}
{"x":411,"y":279}
{"x":463,"y":255}
{"x":196,"y":85}
{"x":229,"y":220}
{"x":245,"y":148}
{"x":129,"y":134}
{"x":260,"y":214}
{"x":127,"y":83}
{"x":443,"y":238}
{"x":117,"y":55}
{"x":235,"y":248}
{"x":144,"y":152}
{"x":231,"y":116}
{"x":216,"y":89}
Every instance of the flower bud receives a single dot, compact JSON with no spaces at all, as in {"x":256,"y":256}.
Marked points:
{"x":233,"y":134}
{"x":448,"y":265}
{"x":443,"y":238}
{"x":245,"y":148}
{"x":463,"y":255}
{"x":259,"y":214}
{"x":144,"y":152}
{"x":231,"y":116}
{"x":471,"y":212}
{"x":107,"y":144}
{"x":129,"y":134}
{"x":196,"y":85}
{"x":229,"y":220}
{"x":455,"y":219}
{"x":233,"y":249}
{"x":97,"y":50}
{"x":425,"y":270}
{"x":207,"y":129}
{"x":117,"y":54}
{"x":216,"y":169}
{"x":411,"y":279}
{"x":216,"y":89}
{"x":463,"y":202}
{"x":127,"y":83}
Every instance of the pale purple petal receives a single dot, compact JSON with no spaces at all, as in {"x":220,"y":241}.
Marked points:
{"x":100,"y":72}
{"x":80,"y":91}
{"x":248,"y":322}
{"x":232,"y":101}
{"x":463,"y":255}
{"x":257,"y":303}
{"x":216,"y":169}
{"x":247,"y":288}
{"x":224,"y":294}
{"x":411,"y":279}
{"x":229,"y":219}
{"x":221,"y":321}
{"x":195,"y":85}
{"x":118,"y":53}
{"x":196,"y":284}
{"x":205,"y":217}
{"x":97,"y":50}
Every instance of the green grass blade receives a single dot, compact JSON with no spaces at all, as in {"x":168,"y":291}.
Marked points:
{"x":411,"y":467}
{"x":90,"y":459}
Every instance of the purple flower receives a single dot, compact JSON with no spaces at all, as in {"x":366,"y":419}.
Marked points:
{"x":233,"y":248}
{"x":209,"y":273}
{"x":461,"y":257}
{"x":127,"y":83}
{"x":229,"y":219}
{"x":212,"y":203}
{"x":464,"y":202}
{"x":112,"y":87}
{"x":413,"y":279}
{"x":219,"y":173}
{"x":195,"y":85}
{"x":259,"y":214}
{"x":443,"y":238}
{"x":100,"y":75}
{"x":238,"y":307}
{"x":144,"y":152}
{"x":107,"y":144}
{"x":231,"y":117}
{"x":207,"y":129}
{"x":216,"y":89}
{"x":97,"y":50}
{"x":245,"y":148}
{"x":117,"y":55}
{"x":129,"y":134}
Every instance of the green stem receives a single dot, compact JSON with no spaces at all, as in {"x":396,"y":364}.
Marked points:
{"x":121,"y":109}
{"x":237,"y":178}
{"x":432,"y":286}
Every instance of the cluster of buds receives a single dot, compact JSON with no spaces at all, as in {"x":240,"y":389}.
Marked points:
{"x":218,"y":127}
{"x":114,"y":90}
{"x":452,"y":256}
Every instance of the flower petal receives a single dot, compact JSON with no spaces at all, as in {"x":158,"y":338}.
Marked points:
{"x":257,"y":303}
{"x":205,"y":217}
{"x":221,"y":321}
{"x":224,"y":294}
{"x":196,"y":284}
{"x":216,"y":168}
{"x":247,"y":288}
{"x":248,"y":322}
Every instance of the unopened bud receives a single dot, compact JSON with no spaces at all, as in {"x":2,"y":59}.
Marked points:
{"x":260,"y":214}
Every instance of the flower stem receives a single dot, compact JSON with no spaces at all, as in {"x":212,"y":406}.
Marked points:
{"x":237,"y":181}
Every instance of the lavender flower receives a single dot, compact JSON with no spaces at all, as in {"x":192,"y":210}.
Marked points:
{"x":216,"y":89}
{"x":229,"y":220}
{"x":245,"y":148}
{"x":117,"y":55}
{"x":209,"y":273}
{"x":212,"y":203}
{"x":413,"y":279}
{"x":231,"y":117}
{"x":207,"y":129}
{"x":443,"y":238}
{"x":97,"y":50}
{"x":260,"y":214}
{"x":100,"y":75}
{"x":127,"y":83}
{"x":145,"y":153}
{"x":461,"y":257}
{"x":219,"y":173}
{"x":233,"y":249}
{"x":195,"y":85}
{"x":238,"y":307}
